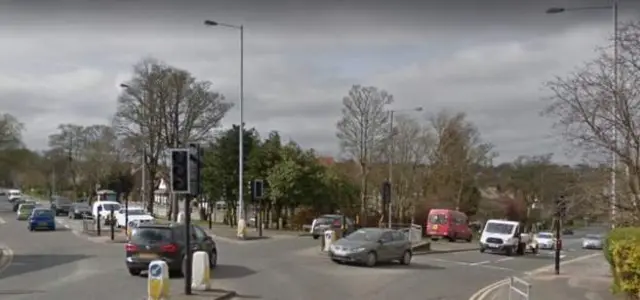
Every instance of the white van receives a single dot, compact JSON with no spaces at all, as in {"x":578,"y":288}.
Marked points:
{"x":104,"y":209}
{"x":506,"y":236}
{"x":14,"y":194}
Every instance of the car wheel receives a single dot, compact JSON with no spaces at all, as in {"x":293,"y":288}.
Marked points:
{"x":452,"y":238}
{"x":372,"y":259}
{"x":481,"y":250}
{"x":134,"y":272}
{"x":337,"y":261}
{"x":535,"y":250}
{"x":213,"y":259}
{"x":470,"y":238}
{"x":315,"y":236}
{"x":406,"y":258}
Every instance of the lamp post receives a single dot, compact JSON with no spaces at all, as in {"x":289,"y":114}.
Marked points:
{"x":614,"y":158}
{"x":391,"y":151}
{"x":143,"y":171}
{"x":241,"y":131}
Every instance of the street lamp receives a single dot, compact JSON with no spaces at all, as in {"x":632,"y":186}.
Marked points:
{"x":241,"y":220}
{"x":614,"y":157}
{"x":392,"y":148}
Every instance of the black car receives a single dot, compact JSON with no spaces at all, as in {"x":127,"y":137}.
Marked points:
{"x":61,"y":205}
{"x":80,"y":210}
{"x":151,"y":242}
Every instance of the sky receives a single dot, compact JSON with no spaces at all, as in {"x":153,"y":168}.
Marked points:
{"x":62,"y":61}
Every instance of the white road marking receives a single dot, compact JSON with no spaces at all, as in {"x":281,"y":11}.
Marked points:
{"x":2,"y":221}
{"x":6,"y":258}
{"x":504,"y":259}
{"x":480,"y":263}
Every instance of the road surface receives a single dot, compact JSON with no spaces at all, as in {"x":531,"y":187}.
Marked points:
{"x":67,"y":265}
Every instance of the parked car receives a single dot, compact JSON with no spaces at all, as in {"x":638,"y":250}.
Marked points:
{"x":370,"y":246}
{"x":79,"y":210}
{"x":61,"y":205}
{"x":448,"y":224}
{"x":150,"y":242}
{"x":18,"y":201}
{"x":593,"y":241}
{"x":332,"y":221}
{"x":42,"y":218}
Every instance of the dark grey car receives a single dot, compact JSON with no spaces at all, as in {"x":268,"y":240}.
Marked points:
{"x":60,"y":205}
{"x":372,"y":245}
{"x":80,"y":210}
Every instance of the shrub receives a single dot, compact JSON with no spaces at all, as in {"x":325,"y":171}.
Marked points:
{"x":618,"y":234}
{"x":623,"y":248}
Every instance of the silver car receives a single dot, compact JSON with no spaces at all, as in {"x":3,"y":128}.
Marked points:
{"x":592,"y":241}
{"x":325,"y":222}
{"x":370,"y":246}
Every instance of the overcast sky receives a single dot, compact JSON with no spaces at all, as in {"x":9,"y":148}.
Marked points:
{"x":61,"y":61}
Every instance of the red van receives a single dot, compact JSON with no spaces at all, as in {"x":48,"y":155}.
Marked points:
{"x":450,"y":224}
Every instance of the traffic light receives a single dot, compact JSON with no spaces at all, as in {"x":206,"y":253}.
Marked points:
{"x":258,"y":189}
{"x":180,"y":171}
{"x":561,"y":207}
{"x":386,"y":192}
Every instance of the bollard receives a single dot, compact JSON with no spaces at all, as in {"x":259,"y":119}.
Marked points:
{"x":180,"y":218}
{"x":130,"y":227}
{"x":112,"y":225}
{"x":242,"y":229}
{"x":329,"y":237}
{"x":98,"y":223}
{"x":201,"y":271}
{"x":158,"y":283}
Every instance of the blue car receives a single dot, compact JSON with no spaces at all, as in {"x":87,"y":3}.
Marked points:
{"x":42,"y":218}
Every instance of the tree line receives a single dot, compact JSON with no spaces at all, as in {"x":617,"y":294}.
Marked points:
{"x":435,"y":159}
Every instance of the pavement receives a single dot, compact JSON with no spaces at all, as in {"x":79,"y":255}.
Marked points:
{"x":66,"y":264}
{"x":588,"y":278}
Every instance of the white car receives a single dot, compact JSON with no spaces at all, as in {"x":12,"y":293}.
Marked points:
{"x":545,"y":240}
{"x":135,"y":214}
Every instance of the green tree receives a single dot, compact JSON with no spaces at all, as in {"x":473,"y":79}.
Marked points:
{"x":220,"y":171}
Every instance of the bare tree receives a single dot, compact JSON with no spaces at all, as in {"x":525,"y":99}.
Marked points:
{"x":167,"y":107}
{"x":70,"y":142}
{"x":599,"y":116}
{"x":363,"y":130}
{"x":455,"y":159}
{"x":412,"y":142}
{"x":10,"y":131}
{"x":101,"y":153}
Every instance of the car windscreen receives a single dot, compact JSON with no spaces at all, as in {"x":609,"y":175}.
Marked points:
{"x":27,"y":207}
{"x":109,"y":207}
{"x":148,"y":235}
{"x":42,"y":213}
{"x":545,"y":235}
{"x":437,"y":219}
{"x":501,"y":228}
{"x":364,"y":235}
{"x":325,"y":220}
{"x":62,"y":201}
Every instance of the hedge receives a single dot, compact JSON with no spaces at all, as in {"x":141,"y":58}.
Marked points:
{"x":622,"y":250}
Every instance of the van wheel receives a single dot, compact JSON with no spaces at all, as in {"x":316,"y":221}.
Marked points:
{"x":406,"y":258}
{"x":452,"y":238}
{"x":481,"y":249}
{"x":315,"y":236}
{"x":521,"y":248}
{"x":470,"y":238}
{"x":509,"y":251}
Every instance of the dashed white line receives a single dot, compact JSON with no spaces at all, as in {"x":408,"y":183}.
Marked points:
{"x":2,"y":221}
{"x":480,"y":263}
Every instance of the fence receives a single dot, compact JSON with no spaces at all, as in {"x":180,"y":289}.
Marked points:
{"x":519,"y":289}
{"x":413,"y":232}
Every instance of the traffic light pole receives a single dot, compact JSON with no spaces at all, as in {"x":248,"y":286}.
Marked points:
{"x":558,"y":245}
{"x":187,"y":242}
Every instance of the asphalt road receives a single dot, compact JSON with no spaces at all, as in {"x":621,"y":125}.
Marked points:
{"x":67,"y":265}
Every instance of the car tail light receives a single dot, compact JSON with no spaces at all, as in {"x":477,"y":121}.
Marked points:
{"x":169,"y":248}
{"x":130,"y":248}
